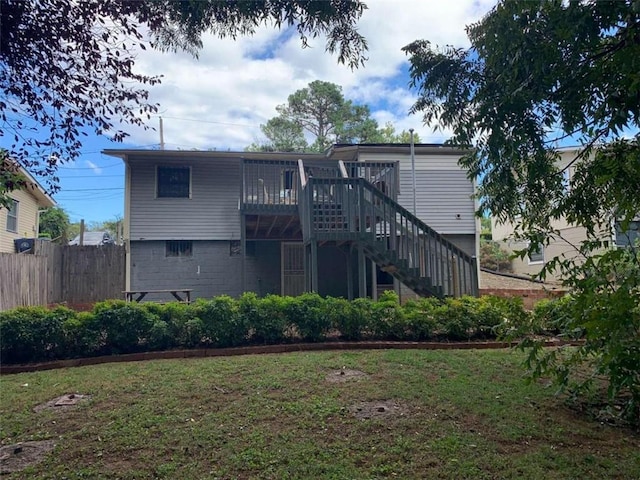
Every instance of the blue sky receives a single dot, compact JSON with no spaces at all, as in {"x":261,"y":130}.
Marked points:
{"x":220,"y":100}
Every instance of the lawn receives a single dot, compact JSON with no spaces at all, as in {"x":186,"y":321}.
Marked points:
{"x":429,"y":414}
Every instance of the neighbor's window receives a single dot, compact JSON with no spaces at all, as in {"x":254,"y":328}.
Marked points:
{"x":179,"y":248}
{"x":628,"y":237}
{"x":537,"y":255}
{"x":12,"y":216}
{"x":174,"y":182}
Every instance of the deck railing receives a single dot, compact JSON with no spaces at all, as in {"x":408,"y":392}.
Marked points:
{"x":354,"y":209}
{"x":383,"y":175}
{"x":269,"y":183}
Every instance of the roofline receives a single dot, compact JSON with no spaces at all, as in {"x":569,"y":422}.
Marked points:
{"x":39,"y":192}
{"x":125,"y":154}
{"x":420,"y":148}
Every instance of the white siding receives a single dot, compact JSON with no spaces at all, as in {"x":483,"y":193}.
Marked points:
{"x":27,"y":220}
{"x":210,"y":214}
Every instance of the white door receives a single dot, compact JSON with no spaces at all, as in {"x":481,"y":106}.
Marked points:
{"x":292,"y":256}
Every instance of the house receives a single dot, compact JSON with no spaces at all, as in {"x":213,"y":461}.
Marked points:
{"x":21,"y":219}
{"x":93,"y":238}
{"x":340,"y":223}
{"x":563,"y":244}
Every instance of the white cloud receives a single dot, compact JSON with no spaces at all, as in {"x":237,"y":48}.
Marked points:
{"x":96,"y":169}
{"x":236,"y":85}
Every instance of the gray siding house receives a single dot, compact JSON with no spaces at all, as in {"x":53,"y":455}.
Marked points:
{"x":338,"y":223}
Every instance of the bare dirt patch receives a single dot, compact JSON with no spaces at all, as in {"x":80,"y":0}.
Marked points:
{"x":19,"y":456}
{"x":65,"y":402}
{"x":380,"y":409}
{"x":345,"y":375}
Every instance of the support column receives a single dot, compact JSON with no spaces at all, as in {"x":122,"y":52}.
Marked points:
{"x":362,"y":273}
{"x":243,"y":248}
{"x":374,"y":281}
{"x":307,"y":268}
{"x":350,"y":273}
{"x":314,"y":266}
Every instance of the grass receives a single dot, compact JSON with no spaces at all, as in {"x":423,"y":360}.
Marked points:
{"x":467,"y":414}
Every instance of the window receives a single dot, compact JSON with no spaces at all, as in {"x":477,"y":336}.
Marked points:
{"x":179,"y":248}
{"x":12,"y":216}
{"x":537,"y":255}
{"x":174,"y":182}
{"x":566,"y":180}
{"x":628,"y":237}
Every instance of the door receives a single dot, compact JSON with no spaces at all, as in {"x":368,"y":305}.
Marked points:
{"x":292,"y":256}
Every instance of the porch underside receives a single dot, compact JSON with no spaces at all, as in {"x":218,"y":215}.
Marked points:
{"x":273,"y":226}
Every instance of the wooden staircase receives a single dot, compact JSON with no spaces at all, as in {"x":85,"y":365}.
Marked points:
{"x":354,"y":210}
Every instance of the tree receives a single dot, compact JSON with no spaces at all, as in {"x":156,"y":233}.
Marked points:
{"x":67,"y":68}
{"x":113,"y":226}
{"x":388,"y":134}
{"x":54,"y":223}
{"x":494,"y":257}
{"x":322,"y":112}
{"x":283,"y":135}
{"x":537,"y":74}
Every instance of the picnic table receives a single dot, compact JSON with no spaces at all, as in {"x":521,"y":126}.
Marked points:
{"x":180,"y":294}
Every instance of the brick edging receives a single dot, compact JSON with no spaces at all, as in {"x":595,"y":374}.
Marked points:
{"x":265,"y":349}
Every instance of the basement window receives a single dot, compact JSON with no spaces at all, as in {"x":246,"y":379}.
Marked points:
{"x":179,"y":248}
{"x":174,"y":182}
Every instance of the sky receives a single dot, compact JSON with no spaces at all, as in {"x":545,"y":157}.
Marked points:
{"x":219,"y":100}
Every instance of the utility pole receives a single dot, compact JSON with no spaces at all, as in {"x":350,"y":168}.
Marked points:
{"x":161,"y":135}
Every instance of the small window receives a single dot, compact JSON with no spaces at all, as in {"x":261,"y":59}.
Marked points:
{"x":628,"y":237}
{"x":179,"y":248}
{"x":174,"y":182}
{"x":12,"y":216}
{"x":537,"y":255}
{"x":566,"y":180}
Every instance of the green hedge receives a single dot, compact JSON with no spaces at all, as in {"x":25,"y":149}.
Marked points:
{"x":37,"y":334}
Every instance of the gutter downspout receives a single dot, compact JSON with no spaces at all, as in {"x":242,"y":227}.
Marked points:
{"x":413,"y":171}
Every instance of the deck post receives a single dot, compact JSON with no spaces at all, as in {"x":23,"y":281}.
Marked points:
{"x":350,"y":273}
{"x":243,"y":247}
{"x":374,"y":281}
{"x":314,"y":266}
{"x":362,"y":272}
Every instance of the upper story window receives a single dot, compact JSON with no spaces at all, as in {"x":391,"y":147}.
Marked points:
{"x":12,"y":216}
{"x":174,"y":182}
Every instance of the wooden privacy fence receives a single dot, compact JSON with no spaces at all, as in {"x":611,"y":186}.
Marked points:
{"x":23,"y":280}
{"x":57,"y":274}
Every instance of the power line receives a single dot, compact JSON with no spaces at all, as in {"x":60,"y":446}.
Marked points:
{"x":90,"y":168}
{"x":210,"y":121}
{"x":89,"y":189}
{"x":97,"y":176}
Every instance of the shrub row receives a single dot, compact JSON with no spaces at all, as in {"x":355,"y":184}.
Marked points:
{"x":35,"y":334}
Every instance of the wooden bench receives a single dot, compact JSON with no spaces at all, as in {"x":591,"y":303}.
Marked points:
{"x":180,"y":294}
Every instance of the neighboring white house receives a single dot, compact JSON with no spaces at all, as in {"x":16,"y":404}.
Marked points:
{"x":22,"y":218}
{"x":570,"y":235}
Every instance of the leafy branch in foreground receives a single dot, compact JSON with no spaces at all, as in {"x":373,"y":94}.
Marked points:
{"x":538,"y":73}
{"x":68,"y":69}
